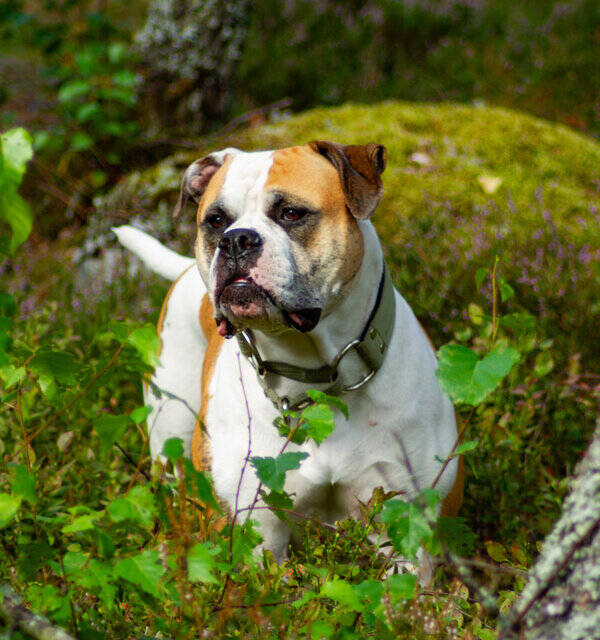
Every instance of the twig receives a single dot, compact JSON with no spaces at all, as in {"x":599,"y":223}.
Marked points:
{"x":133,"y":462}
{"x":31,"y":623}
{"x":456,"y":443}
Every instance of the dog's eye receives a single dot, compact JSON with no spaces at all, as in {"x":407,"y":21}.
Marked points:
{"x":217,"y":220}
{"x":292,"y":214}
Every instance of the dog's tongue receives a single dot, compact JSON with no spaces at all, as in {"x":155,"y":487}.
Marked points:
{"x":224,"y":327}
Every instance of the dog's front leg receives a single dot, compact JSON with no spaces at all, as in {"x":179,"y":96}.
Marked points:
{"x":275,"y":534}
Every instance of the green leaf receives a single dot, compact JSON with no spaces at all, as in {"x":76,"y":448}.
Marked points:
{"x":402,"y":586}
{"x":173,"y":449}
{"x":34,"y":556}
{"x":466,"y":378}
{"x":200,"y":562}
{"x":480,"y":276}
{"x":110,"y":429}
{"x":333,"y":401}
{"x":520,"y":323}
{"x":144,"y":570}
{"x":81,"y":141}
{"x":506,"y":291}
{"x":16,"y":148}
{"x":544,"y":363}
{"x":116,"y":51}
{"x":369,"y":592}
{"x":456,"y":533}
{"x":320,"y":629}
{"x":5,"y":325}
{"x":271,"y":471}
{"x":72,"y":90}
{"x":137,"y":506}
{"x":319,"y":422}
{"x":88,"y":111}
{"x":343,"y":593}
{"x":16,"y":213}
{"x":279,"y":501}
{"x":11,"y":375}
{"x":146,"y":342}
{"x":23,"y":484}
{"x":92,"y":575}
{"x":476,"y":314}
{"x":56,"y":365}
{"x":9,"y":505}
{"x":407,"y":526}
{"x":140,"y":414}
{"x":465,"y":447}
{"x":199,"y":485}
{"x":82,"y":523}
{"x":496,"y":551}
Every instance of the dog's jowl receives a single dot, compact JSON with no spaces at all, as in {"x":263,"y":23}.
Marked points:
{"x":289,"y":266}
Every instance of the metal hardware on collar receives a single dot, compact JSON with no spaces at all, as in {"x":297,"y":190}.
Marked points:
{"x":370,"y":347}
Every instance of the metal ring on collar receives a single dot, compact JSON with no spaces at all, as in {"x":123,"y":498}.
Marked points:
{"x":335,"y":364}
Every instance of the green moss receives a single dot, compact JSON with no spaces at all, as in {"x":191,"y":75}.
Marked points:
{"x":437,"y":222}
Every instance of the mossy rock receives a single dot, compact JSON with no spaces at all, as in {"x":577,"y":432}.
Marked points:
{"x":463,"y":185}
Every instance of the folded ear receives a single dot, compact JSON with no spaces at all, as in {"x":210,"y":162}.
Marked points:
{"x":197,"y":176}
{"x":359,"y":168}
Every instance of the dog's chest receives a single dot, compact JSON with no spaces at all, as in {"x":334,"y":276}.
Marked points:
{"x":240,"y":418}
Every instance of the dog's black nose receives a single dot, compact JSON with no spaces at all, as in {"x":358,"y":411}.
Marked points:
{"x":240,"y":242}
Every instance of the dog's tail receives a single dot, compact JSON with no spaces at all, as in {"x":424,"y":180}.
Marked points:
{"x":152,"y":253}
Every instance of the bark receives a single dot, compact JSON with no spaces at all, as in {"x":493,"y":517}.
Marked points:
{"x":19,"y":617}
{"x":562,"y":596}
{"x":191,"y":48}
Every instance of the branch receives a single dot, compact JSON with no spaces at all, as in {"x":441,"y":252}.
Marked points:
{"x":19,"y":616}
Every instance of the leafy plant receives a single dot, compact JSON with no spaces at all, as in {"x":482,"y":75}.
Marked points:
{"x":15,"y":151}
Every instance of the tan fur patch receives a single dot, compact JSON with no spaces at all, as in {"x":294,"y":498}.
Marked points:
{"x":452,"y":502}
{"x":213,"y":188}
{"x":200,"y":448}
{"x":303,"y":172}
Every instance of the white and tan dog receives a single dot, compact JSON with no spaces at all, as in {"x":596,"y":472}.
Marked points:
{"x":287,"y":260}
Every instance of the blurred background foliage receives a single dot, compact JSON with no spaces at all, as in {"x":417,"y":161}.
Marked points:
{"x":108,"y":86}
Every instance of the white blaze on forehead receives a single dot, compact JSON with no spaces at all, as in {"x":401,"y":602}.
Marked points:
{"x":242,"y":190}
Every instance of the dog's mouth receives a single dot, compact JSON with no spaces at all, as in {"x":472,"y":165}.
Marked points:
{"x":243,"y":300}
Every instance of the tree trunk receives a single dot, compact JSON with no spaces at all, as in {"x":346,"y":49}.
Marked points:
{"x":191,"y":49}
{"x":562,"y":596}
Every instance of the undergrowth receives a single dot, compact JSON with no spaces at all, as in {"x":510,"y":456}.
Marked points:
{"x":108,"y":544}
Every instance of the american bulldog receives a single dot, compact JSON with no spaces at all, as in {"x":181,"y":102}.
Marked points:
{"x":289,"y":266}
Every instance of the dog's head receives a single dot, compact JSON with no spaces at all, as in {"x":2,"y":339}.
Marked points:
{"x":278,"y":237}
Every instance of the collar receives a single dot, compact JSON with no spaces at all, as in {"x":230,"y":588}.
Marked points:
{"x":371,"y":346}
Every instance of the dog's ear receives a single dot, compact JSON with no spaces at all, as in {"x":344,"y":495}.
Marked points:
{"x":359,"y":168}
{"x":197,"y":176}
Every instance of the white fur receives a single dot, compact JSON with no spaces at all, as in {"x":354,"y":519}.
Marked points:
{"x":402,"y":406}
{"x":152,"y":253}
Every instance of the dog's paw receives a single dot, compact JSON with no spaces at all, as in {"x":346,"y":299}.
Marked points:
{"x":423,"y":568}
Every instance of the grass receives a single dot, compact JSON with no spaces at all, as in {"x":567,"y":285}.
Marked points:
{"x":439,"y":225}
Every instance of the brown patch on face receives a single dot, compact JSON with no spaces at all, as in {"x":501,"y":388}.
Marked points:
{"x":213,"y":188}
{"x":304,"y":173}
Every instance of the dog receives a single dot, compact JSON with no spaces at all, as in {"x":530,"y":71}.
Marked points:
{"x":288,"y":264}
